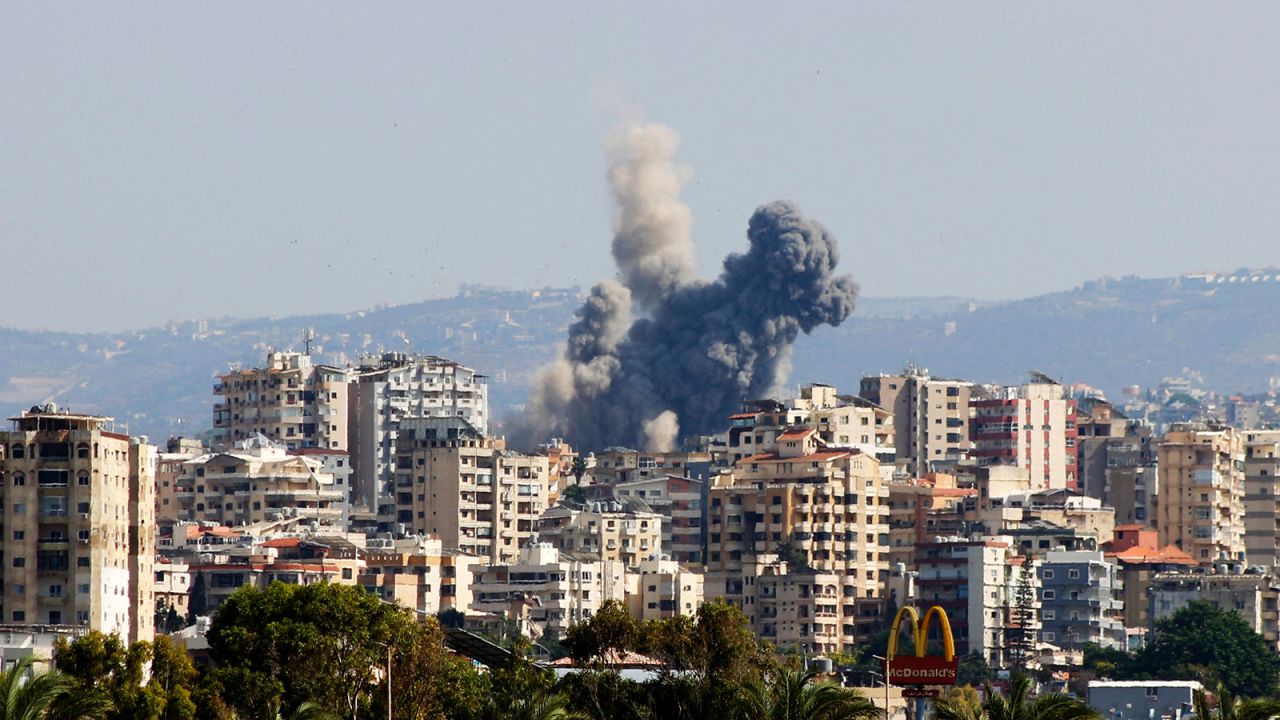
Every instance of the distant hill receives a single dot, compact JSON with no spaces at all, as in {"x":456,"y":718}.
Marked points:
{"x":1107,"y":333}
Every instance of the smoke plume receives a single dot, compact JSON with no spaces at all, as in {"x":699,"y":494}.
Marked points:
{"x":697,"y":348}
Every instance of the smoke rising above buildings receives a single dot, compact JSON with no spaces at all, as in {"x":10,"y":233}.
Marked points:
{"x":695,"y":348}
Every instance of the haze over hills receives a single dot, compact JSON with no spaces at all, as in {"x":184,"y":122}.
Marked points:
{"x":1107,"y":333}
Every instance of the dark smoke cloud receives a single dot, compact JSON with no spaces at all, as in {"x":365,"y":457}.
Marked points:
{"x":702,"y":346}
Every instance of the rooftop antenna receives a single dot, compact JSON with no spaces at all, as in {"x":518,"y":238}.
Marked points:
{"x":307,"y":337}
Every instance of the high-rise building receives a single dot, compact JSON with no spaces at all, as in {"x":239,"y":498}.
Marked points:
{"x":1082,"y":600}
{"x":1262,"y":497}
{"x":391,"y":387}
{"x":809,"y":507}
{"x":79,"y":533}
{"x":1032,"y":426}
{"x":1113,"y":454}
{"x":1202,"y":491}
{"x":467,"y":489}
{"x":607,"y":530}
{"x":930,"y":417}
{"x":290,"y":401}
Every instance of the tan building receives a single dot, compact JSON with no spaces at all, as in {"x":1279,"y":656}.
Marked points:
{"x":1262,"y":497}
{"x":419,"y":573}
{"x":679,"y":501}
{"x":663,"y":589}
{"x":604,"y":530}
{"x":290,"y":401}
{"x":621,"y":465}
{"x":1136,"y":549}
{"x":1201,"y":509}
{"x":930,"y":417}
{"x":258,"y":482}
{"x":826,"y":508}
{"x":466,"y":489}
{"x":544,"y":588}
{"x":79,"y":525}
{"x":923,"y":509}
{"x":173,"y":586}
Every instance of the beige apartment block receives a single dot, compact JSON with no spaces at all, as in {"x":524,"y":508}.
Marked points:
{"x":930,"y":417}
{"x":679,"y":501}
{"x":419,"y":573}
{"x":476,"y":496}
{"x":829,"y":508}
{"x":604,"y":530}
{"x":1202,"y":491}
{"x":923,"y":509}
{"x":258,"y":482}
{"x":1262,"y":497}
{"x":663,"y":589}
{"x":79,"y":528}
{"x":290,"y":401}
{"x":621,"y":465}
{"x":393,"y":386}
{"x":545,"y":589}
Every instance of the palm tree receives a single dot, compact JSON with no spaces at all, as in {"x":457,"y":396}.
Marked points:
{"x":1017,"y":705}
{"x":545,"y":705}
{"x":29,"y":695}
{"x":1230,"y":707}
{"x":793,"y":695}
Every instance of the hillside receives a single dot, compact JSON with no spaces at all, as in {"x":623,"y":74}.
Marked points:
{"x":1107,"y":333}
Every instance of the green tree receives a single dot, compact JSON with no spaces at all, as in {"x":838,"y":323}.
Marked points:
{"x":102,"y":666}
{"x":1017,"y":704}
{"x":1204,"y":642}
{"x":1225,"y":706}
{"x":287,"y":644}
{"x":427,"y":681}
{"x":793,"y":695}
{"x":29,"y":695}
{"x":608,"y":633}
{"x":974,"y":670}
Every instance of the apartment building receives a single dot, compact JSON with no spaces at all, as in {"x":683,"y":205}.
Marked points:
{"x":1032,"y":426}
{"x":257,"y":482}
{"x":1255,"y":598}
{"x":79,"y":524}
{"x":1136,"y":550}
{"x":990,"y":592}
{"x":290,"y":401}
{"x":681,"y":503}
{"x":930,"y":417}
{"x":623,"y":465}
{"x":825,"y":509}
{"x":469,"y":490}
{"x":848,"y":422}
{"x":925,"y":508}
{"x":608,"y":530}
{"x":1262,"y":497}
{"x":1202,"y":490}
{"x":546,"y":589}
{"x":1081,"y":600}
{"x":393,"y":386}
{"x":1111,"y":452}
{"x":257,"y":562}
{"x":664,"y":588}
{"x":419,"y":573}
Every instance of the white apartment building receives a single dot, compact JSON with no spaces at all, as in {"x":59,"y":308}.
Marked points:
{"x":545,"y":589}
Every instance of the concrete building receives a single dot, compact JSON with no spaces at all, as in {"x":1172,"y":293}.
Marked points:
{"x":290,"y":401}
{"x":419,"y":573}
{"x":624,"y":465}
{"x":1137,"y":551}
{"x":466,"y":489}
{"x":1032,"y":426}
{"x":1143,"y":699}
{"x":391,"y":387}
{"x":1255,"y":598}
{"x":990,"y":593}
{"x":607,"y":530}
{"x":848,"y":422}
{"x":930,"y":417}
{"x":1113,"y":451}
{"x":923,"y":509}
{"x":1081,"y":600}
{"x":665,"y":588}
{"x":1202,"y":490}
{"x":544,"y":589}
{"x":257,"y":482}
{"x":1262,"y":497}
{"x":827,"y":509}
{"x":79,"y":524}
{"x":681,"y":501}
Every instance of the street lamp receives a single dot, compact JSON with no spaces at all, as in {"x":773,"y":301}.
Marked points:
{"x":886,"y":683}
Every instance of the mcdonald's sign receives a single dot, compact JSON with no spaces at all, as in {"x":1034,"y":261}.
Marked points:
{"x":919,"y":668}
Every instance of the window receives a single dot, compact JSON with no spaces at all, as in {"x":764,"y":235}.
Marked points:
{"x":19,"y":562}
{"x":19,"y":534}
{"x":1050,"y":637}
{"x":1049,"y":595}
{"x":19,"y":616}
{"x":1048,"y":615}
{"x":1073,"y":574}
{"x":1048,"y":574}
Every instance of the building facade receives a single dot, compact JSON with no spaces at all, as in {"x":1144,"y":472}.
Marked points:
{"x":1202,"y":491}
{"x":290,"y":401}
{"x":930,"y":417}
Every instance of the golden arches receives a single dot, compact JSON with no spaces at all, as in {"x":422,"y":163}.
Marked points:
{"x":921,"y":629}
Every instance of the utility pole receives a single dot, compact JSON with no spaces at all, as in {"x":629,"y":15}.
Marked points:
{"x":388,"y":681}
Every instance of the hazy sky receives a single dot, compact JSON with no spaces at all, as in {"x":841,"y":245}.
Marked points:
{"x":170,"y":160}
